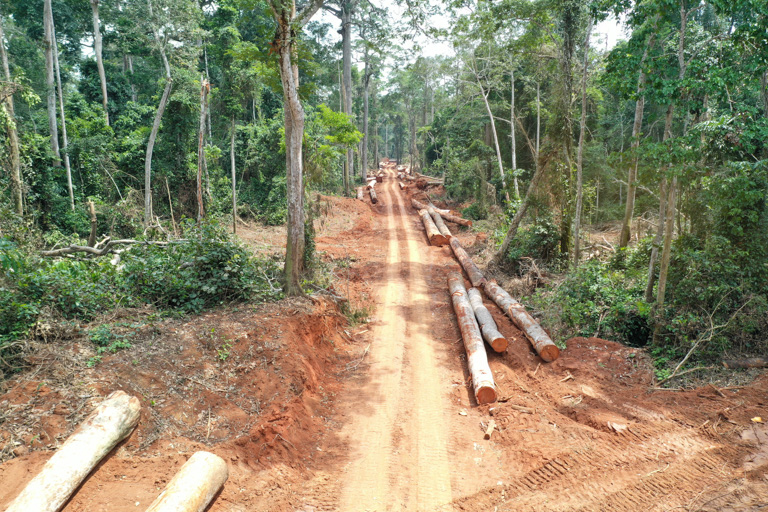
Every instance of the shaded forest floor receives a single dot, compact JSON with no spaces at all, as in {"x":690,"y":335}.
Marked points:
{"x":293,"y":396}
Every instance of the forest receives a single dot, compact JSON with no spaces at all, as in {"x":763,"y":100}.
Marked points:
{"x":139,"y":136}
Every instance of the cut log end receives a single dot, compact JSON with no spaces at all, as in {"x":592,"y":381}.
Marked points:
{"x":549,"y":353}
{"x":439,"y":240}
{"x":485,"y":394}
{"x":500,"y":344}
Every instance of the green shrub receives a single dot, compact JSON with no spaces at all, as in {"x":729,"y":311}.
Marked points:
{"x":539,"y":242}
{"x":475,"y":211}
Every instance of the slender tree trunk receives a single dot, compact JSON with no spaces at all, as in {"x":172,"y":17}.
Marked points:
{"x":12,"y":133}
{"x":538,"y":119}
{"x":155,"y":125}
{"x":764,"y":92}
{"x":495,"y":139}
{"x":657,"y":239}
{"x":67,"y":167}
{"x":97,"y":51}
{"x":50,"y":79}
{"x":512,"y":133}
{"x":580,"y":152}
{"x":346,"y":47}
{"x":637,"y":126}
{"x":201,"y":163}
{"x":207,"y":106}
{"x":129,"y":60}
{"x":234,"y":175}
{"x":364,"y":152}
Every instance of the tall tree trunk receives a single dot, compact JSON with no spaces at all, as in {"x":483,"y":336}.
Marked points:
{"x":201,"y":163}
{"x":50,"y":79}
{"x":97,"y":51}
{"x":128,"y":59}
{"x":347,"y":8}
{"x":637,"y":126}
{"x":512,"y":133}
{"x":484,"y":94}
{"x":657,"y":239}
{"x":67,"y":167}
{"x":364,"y":152}
{"x":538,"y":120}
{"x":764,"y":92}
{"x":12,"y":133}
{"x":234,"y":175}
{"x":155,"y":125}
{"x":580,"y":152}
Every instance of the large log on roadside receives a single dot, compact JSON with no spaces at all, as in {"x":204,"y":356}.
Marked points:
{"x":439,"y":222}
{"x":525,"y":322}
{"x":402,"y":185}
{"x":435,"y":237}
{"x":372,"y":192}
{"x":447,"y":216}
{"x":360,"y":193}
{"x":379,"y":178}
{"x":477,"y":360}
{"x":194,"y":486}
{"x":749,"y":362}
{"x":111,"y":422}
{"x":475,"y":276}
{"x":488,"y":326}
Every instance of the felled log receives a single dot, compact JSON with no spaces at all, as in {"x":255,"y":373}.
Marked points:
{"x":379,"y":178}
{"x":748,"y":362}
{"x":435,"y":237}
{"x":439,"y":223}
{"x":194,"y":486}
{"x":447,"y":216}
{"x":371,"y":184}
{"x":360,"y":193}
{"x":477,"y":360}
{"x":525,"y":322}
{"x":488,"y":327}
{"x":402,"y":185}
{"x":111,"y":422}
{"x":475,"y":276}
{"x":372,"y":193}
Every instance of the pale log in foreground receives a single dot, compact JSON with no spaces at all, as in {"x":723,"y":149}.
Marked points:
{"x":477,"y":360}
{"x":488,"y":326}
{"x":194,"y":486}
{"x":525,"y":322}
{"x":111,"y":422}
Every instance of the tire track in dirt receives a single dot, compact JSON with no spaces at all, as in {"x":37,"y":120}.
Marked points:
{"x":398,"y":437}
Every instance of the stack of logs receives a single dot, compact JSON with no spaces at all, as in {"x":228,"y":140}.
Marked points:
{"x":191,"y":489}
{"x":475,"y":321}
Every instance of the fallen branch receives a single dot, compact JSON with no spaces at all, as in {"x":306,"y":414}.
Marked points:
{"x":675,"y":375}
{"x":105,"y":247}
{"x":749,"y":362}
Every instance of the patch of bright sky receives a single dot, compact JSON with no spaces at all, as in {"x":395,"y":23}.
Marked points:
{"x":605,"y":35}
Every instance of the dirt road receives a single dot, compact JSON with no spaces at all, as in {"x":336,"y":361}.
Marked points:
{"x":398,"y":434}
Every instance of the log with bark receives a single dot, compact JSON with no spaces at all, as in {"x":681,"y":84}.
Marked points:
{"x":111,"y":422}
{"x":379,"y":178}
{"x":434,"y":236}
{"x":402,"y":185}
{"x":372,"y":193}
{"x":447,"y":216}
{"x":360,"y":193}
{"x":477,"y":360}
{"x":475,"y":276}
{"x":524,"y":321}
{"x":487,"y":325}
{"x":439,"y":222}
{"x":194,"y":486}
{"x":106,"y":246}
{"x":749,"y":362}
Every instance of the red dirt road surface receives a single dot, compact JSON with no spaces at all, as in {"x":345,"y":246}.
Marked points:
{"x":312,"y":414}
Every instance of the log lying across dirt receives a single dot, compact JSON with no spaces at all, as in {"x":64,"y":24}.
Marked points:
{"x":447,"y":216}
{"x":111,"y":422}
{"x":374,"y":198}
{"x":439,"y":222}
{"x":475,"y":276}
{"x":194,"y":486}
{"x":435,"y":237}
{"x":525,"y":322}
{"x":487,"y":325}
{"x":749,"y":362}
{"x":360,"y":193}
{"x":402,"y":185}
{"x":477,"y":360}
